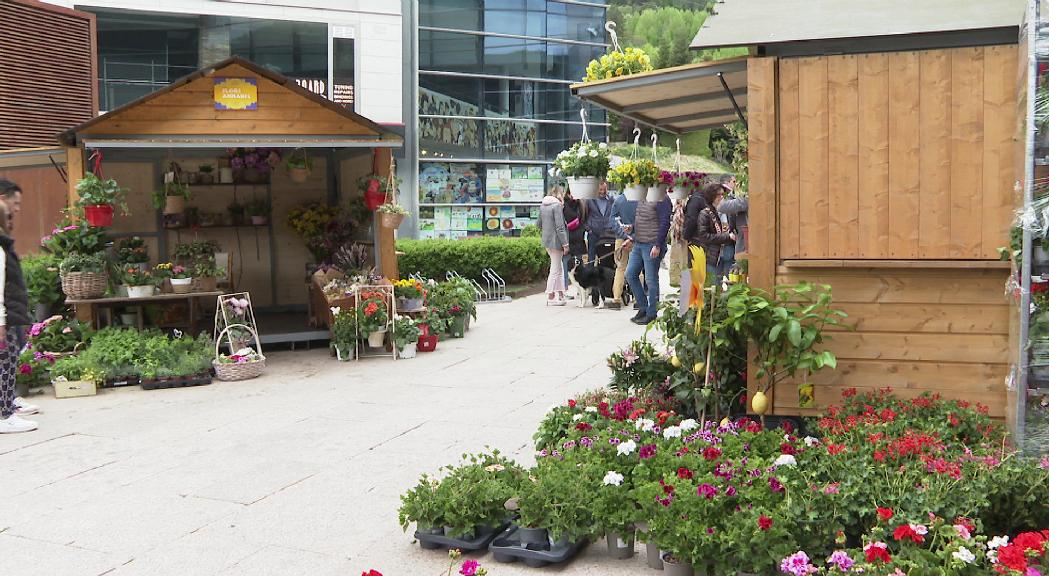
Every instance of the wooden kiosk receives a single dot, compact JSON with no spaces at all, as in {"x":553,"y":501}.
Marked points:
{"x":189,"y":122}
{"x":882,"y":162}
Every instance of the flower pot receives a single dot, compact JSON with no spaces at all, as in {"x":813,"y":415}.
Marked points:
{"x":174,"y":204}
{"x":679,"y":193}
{"x":409,"y":351}
{"x":84,"y":285}
{"x":140,"y":291}
{"x":298,"y":175}
{"x":129,"y":319}
{"x":424,"y":329}
{"x":390,"y":220}
{"x":74,"y":388}
{"x":205,"y":284}
{"x":205,"y":177}
{"x":675,"y":567}
{"x":467,"y":535}
{"x":181,"y":285}
{"x":259,"y":220}
{"x":457,"y":327}
{"x":653,"y":555}
{"x":533,"y":536}
{"x":427,"y":343}
{"x":620,"y":547}
{"x":657,"y":193}
{"x":635,"y":192}
{"x":376,"y":338}
{"x":250,"y":175}
{"x":374,"y":198}
{"x":409,"y":304}
{"x":345,"y":353}
{"x":583,"y":187}
{"x":225,"y":175}
{"x":99,"y":215}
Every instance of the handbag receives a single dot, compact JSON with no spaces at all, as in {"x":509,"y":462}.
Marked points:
{"x":574,"y":224}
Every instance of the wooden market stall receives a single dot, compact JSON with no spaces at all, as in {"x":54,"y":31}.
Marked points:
{"x":190,"y":124}
{"x":882,"y":162}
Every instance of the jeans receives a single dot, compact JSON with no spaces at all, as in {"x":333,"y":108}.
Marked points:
{"x":727,"y":260}
{"x":592,"y":240}
{"x":641,"y":256}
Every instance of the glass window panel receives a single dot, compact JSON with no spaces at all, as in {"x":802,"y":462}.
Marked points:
{"x":515,"y":17}
{"x":449,"y":52}
{"x":457,"y":14}
{"x":294,"y":49}
{"x":574,"y":22}
{"x":514,"y":57}
{"x":510,"y":139}
{"x":461,"y":96}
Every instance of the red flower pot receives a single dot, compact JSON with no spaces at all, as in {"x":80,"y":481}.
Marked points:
{"x":374,"y":199}
{"x":99,"y":215}
{"x":427,"y":343}
{"x":424,"y":329}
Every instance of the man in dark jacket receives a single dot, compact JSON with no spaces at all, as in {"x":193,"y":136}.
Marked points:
{"x":651,"y":226}
{"x":690,"y":227}
{"x":599,"y":224}
{"x":14,"y":316}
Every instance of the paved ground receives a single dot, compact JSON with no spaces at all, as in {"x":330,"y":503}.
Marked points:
{"x":297,"y":472}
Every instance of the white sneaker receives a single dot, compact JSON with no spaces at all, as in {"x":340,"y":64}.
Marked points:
{"x":15,"y":424}
{"x":23,"y":408}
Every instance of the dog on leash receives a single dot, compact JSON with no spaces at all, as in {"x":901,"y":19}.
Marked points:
{"x":594,"y":282}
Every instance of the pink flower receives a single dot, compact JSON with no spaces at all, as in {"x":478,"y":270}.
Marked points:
{"x":832,"y":488}
{"x":963,"y":531}
{"x":797,"y":564}
{"x":25,"y":369}
{"x":67,"y":330}
{"x":469,"y":568}
{"x":707,"y":491}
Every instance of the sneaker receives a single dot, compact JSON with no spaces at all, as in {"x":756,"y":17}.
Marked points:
{"x":640,"y":320}
{"x":15,"y":424}
{"x":556,"y":302}
{"x":23,"y":408}
{"x":613,"y":305}
{"x":637,"y":317}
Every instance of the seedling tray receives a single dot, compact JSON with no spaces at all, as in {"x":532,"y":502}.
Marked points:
{"x":161,"y":383}
{"x":481,"y":541}
{"x":507,"y":548}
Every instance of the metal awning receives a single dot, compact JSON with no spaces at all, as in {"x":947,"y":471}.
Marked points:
{"x":681,"y":99}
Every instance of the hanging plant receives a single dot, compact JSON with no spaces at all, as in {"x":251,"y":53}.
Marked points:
{"x":618,"y":62}
{"x":299,"y":165}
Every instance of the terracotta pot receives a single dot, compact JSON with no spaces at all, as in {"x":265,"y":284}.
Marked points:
{"x":298,"y":175}
{"x":390,"y":220}
{"x":99,"y":215}
{"x":205,"y":284}
{"x":174,"y":204}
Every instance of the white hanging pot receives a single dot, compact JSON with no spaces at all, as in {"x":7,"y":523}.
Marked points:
{"x":635,"y":192}
{"x":583,"y":187}
{"x":409,"y":350}
{"x":657,"y":193}
{"x":679,"y":193}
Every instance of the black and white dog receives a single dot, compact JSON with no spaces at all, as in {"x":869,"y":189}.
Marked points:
{"x":593,"y":282}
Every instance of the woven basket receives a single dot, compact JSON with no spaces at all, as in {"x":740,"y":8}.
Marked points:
{"x":84,"y":285}
{"x":390,"y":220}
{"x":245,"y":371}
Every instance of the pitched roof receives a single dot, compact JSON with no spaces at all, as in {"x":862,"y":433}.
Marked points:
{"x":754,"y":22}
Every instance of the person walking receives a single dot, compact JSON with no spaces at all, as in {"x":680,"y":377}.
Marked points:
{"x":554,"y":234}
{"x":713,"y":232}
{"x":11,"y":199}
{"x":690,"y":223}
{"x":623,"y":214}
{"x":575,"y":214}
{"x":734,"y":209}
{"x":14,"y":312}
{"x":651,"y":225}
{"x":599,"y":224}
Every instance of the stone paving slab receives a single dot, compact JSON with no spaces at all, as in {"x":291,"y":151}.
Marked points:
{"x":300,"y":470}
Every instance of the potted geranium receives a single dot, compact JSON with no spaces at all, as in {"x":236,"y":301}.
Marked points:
{"x":259,"y":211}
{"x":391,"y":214}
{"x":409,"y":293}
{"x":83,"y":275}
{"x":372,"y":317}
{"x":344,"y":333}
{"x":172,"y":197}
{"x":181,"y":279}
{"x":405,"y":336}
{"x":98,"y":197}
{"x":684,"y":183}
{"x":554,"y":504}
{"x":132,"y":252}
{"x":422,"y":506}
{"x":140,"y":283}
{"x":299,"y":165}
{"x":373,"y":187}
{"x":58,"y":337}
{"x":584,"y":165}
{"x":634,"y":177}
{"x":205,"y":271}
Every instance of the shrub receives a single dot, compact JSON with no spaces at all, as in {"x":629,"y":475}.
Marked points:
{"x":517,"y":260}
{"x":42,"y":280}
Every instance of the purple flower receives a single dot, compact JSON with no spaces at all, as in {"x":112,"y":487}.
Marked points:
{"x":755,"y":472}
{"x":569,"y":445}
{"x":236,"y":163}
{"x":730,"y":491}
{"x":775,"y":485}
{"x":614,"y":441}
{"x":797,"y":564}
{"x":542,"y":453}
{"x":710,"y":530}
{"x":586,"y":442}
{"x":657,"y":430}
{"x":842,"y":560}
{"x":666,"y":500}
{"x":647,"y":451}
{"x":707,"y":491}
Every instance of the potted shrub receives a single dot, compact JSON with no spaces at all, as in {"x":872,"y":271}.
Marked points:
{"x":181,"y":279}
{"x":685,"y":183}
{"x":259,"y":211}
{"x":98,"y":198}
{"x":473,"y":495}
{"x":372,"y":317}
{"x":236,"y":213}
{"x":634,"y":177}
{"x":74,"y":376}
{"x":205,"y":271}
{"x":409,"y":293}
{"x":391,"y":214}
{"x":405,"y":336}
{"x":615,"y":512}
{"x":140,"y":283}
{"x":84,"y":276}
{"x":206,"y":174}
{"x":422,"y":506}
{"x":58,"y":337}
{"x":554,"y":504}
{"x":43,"y":283}
{"x":431,"y":325}
{"x":171,"y":198}
{"x":344,"y":333}
{"x":132,"y":252}
{"x":299,"y":165}
{"x":585,"y":164}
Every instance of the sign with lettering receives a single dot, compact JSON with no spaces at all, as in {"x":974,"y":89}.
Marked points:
{"x":236,"y":94}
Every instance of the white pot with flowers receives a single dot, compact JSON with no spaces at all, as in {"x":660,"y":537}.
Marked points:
{"x":406,"y":336}
{"x":585,"y":164}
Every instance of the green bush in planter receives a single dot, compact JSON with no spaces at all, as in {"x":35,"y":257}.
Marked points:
{"x":421,"y":505}
{"x":517,"y":260}
{"x":42,"y":280}
{"x":119,"y":351}
{"x":558,"y":497}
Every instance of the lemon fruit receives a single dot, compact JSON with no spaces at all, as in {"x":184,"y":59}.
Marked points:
{"x":759,"y":403}
{"x":675,"y":362}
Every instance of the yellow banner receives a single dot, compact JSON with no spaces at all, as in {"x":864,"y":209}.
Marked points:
{"x":236,"y":94}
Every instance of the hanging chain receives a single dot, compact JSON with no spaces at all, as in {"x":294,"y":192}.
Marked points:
{"x":582,"y":116}
{"x":610,"y":27}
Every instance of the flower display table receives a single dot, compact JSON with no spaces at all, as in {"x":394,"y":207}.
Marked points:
{"x":89,"y":311}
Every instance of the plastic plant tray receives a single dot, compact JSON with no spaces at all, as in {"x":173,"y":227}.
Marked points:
{"x":429,"y":541}
{"x":507,"y":548}
{"x":159,"y":384}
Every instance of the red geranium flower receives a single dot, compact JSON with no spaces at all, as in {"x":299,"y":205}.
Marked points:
{"x":711,"y":453}
{"x":877,"y":551}
{"x":684,"y":473}
{"x":787,"y":448}
{"x":905,"y":532}
{"x":835,"y":449}
{"x":371,"y":573}
{"x":764,"y":522}
{"x":583,"y":427}
{"x":571,"y":403}
{"x":885,"y":514}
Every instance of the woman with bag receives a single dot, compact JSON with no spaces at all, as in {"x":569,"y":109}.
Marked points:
{"x":554,"y":234}
{"x":575,"y":214}
{"x":713,"y":233}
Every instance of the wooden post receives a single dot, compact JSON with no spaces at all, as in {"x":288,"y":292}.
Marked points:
{"x":763,"y":169}
{"x":75,"y":172}
{"x":386,"y":249}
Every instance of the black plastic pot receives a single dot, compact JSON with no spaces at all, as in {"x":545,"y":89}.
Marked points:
{"x":434,"y":538}
{"x":620,"y":546}
{"x":533,"y":536}
{"x":509,"y":547}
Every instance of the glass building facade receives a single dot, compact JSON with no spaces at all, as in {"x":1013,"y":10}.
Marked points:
{"x":495,"y":107}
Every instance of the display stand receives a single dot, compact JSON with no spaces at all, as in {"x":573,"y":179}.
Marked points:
{"x":238,"y":329}
{"x":363,"y":349}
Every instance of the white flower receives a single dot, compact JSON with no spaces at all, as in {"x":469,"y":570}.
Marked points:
{"x":689,"y":424}
{"x":672,"y":432}
{"x":591,"y":409}
{"x":577,"y":417}
{"x":997,"y":542}
{"x":785,"y":460}
{"x":494,"y":468}
{"x":992,"y":556}
{"x":335,"y":310}
{"x":810,"y":441}
{"x":603,"y":145}
{"x":580,"y":153}
{"x":593,"y":154}
{"x":626,"y":448}
{"x":613,"y":478}
{"x":962,"y":554}
{"x":644,"y":424}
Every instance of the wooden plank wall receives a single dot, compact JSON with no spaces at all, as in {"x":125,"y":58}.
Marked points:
{"x":43,"y":198}
{"x":899,"y":167}
{"x":904,"y":155}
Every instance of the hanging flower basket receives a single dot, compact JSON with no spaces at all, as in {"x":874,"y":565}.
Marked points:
{"x":390,"y":220}
{"x":657,"y":193}
{"x":374,"y":196}
{"x":298,"y":175}
{"x":238,"y":366}
{"x":100,"y":215}
{"x":635,"y":192}
{"x":584,"y":187}
{"x":174,"y":204}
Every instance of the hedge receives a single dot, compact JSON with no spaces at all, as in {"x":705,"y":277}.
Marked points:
{"x":517,"y":260}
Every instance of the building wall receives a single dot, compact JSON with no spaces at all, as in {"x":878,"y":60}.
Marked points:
{"x":375,"y":26}
{"x":888,"y":178}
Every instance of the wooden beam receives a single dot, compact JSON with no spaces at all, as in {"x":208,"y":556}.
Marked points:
{"x":74,"y":171}
{"x":387,"y":238}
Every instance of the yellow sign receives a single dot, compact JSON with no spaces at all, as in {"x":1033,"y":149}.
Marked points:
{"x":236,"y":94}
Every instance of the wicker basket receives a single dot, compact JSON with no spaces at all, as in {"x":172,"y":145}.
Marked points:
{"x":390,"y":220}
{"x":84,"y":285}
{"x":245,"y":371}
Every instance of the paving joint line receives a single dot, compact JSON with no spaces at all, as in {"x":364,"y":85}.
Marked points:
{"x":38,"y":443}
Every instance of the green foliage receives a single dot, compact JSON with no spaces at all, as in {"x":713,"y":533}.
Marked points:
{"x":583,"y":159}
{"x":667,"y":156}
{"x":69,"y":238}
{"x":616,"y":64}
{"x":639,"y":367}
{"x":405,"y":331}
{"x":344,"y":329}
{"x":173,"y":189}
{"x":739,"y":158}
{"x":94,"y":191}
{"x":76,"y":368}
{"x":118,"y":350}
{"x":42,"y":280}
{"x":132,"y":251}
{"x":83,"y":263}
{"x":518,"y":260}
{"x":557,"y":497}
{"x":57,"y":334}
{"x":531,"y":231}
{"x":122,"y":352}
